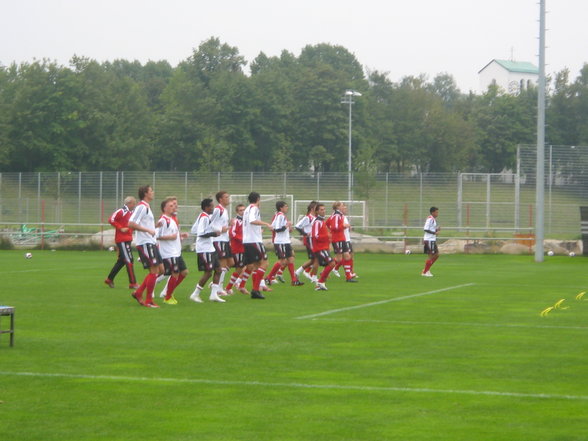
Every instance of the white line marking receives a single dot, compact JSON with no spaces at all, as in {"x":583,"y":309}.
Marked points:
{"x":297,"y":385}
{"x":395,"y":299}
{"x":487,"y":325}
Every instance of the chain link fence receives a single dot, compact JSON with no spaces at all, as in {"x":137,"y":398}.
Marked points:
{"x":59,"y":205}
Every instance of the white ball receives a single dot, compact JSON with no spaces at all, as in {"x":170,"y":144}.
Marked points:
{"x":110,"y":248}
{"x":407,"y":252}
{"x":28,"y":255}
{"x":572,"y":254}
{"x":550,"y":253}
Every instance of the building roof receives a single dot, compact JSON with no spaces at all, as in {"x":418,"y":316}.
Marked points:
{"x":515,"y":66}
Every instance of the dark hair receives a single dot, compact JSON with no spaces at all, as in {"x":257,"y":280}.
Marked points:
{"x":280,"y":205}
{"x":143,"y":191}
{"x":219,"y":195}
{"x":238,"y":206}
{"x":205,"y":203}
{"x":432,"y":209}
{"x":311,"y":206}
{"x":253,"y":197}
{"x":318,"y":205}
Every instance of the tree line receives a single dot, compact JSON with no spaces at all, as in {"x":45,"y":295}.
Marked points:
{"x":285,"y":114}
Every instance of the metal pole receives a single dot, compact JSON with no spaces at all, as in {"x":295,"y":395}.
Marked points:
{"x":540,"y":183}
{"x":349,"y":152}
{"x":517,"y":195}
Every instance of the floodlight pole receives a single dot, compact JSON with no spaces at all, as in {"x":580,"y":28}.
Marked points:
{"x":540,"y":178}
{"x":348,"y":99}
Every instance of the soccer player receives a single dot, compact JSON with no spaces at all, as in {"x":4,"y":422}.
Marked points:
{"x":338,"y":224}
{"x":304,"y":227}
{"x":255,"y":256}
{"x":282,"y":244}
{"x":170,"y":248}
{"x":236,"y":237}
{"x":123,"y":237}
{"x":142,"y":221}
{"x":220,"y":222}
{"x":320,"y":246}
{"x":430,"y":240}
{"x":207,"y":257}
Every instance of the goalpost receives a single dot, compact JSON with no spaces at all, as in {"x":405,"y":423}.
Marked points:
{"x":356,"y":211}
{"x":187,"y":213}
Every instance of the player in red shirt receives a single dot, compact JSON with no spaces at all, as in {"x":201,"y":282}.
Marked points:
{"x":341,"y":246}
{"x":237,"y":248}
{"x":320,"y":246}
{"x":123,"y":237}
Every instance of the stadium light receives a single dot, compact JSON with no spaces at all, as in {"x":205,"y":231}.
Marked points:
{"x":348,"y":99}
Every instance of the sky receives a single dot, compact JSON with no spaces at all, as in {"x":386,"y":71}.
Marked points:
{"x":401,"y":38}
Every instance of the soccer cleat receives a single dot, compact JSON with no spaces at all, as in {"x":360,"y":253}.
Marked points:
{"x":229,"y":292}
{"x":151,"y":304}
{"x":244,"y":291}
{"x":134,"y":286}
{"x":354,"y":276}
{"x":427,"y":274}
{"x":336,"y":272}
{"x":297,"y":283}
{"x":256,"y":295}
{"x":320,"y":287}
{"x":110,"y":283}
{"x":137,"y":297}
{"x":195,"y":297}
{"x":171,"y":301}
{"x":215,"y":298}
{"x":352,"y":280}
{"x":280,"y":279}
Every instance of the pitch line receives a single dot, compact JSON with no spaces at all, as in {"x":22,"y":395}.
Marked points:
{"x":381,"y":302}
{"x":297,"y":385}
{"x":483,"y":325}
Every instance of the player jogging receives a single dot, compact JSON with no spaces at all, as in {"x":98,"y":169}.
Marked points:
{"x":255,"y":255}
{"x":142,"y":221}
{"x":207,"y":257}
{"x":239,"y":277}
{"x":170,"y":248}
{"x":337,"y":224}
{"x":220,"y":222}
{"x":430,"y":240}
{"x":320,"y":246}
{"x":304,"y":227}
{"x":282,"y":244}
{"x":123,"y":238}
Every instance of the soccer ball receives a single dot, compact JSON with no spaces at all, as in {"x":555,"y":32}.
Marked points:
{"x":28,"y":255}
{"x":572,"y":254}
{"x":110,"y":248}
{"x":407,"y":252}
{"x":550,"y":253}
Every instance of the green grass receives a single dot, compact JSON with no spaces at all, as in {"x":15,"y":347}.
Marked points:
{"x":471,"y":363}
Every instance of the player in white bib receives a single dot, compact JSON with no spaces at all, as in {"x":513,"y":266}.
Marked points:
{"x":304,"y":227}
{"x":255,"y":256}
{"x":170,"y":248}
{"x":208,"y":261}
{"x":142,"y":221}
{"x":220,"y":222}
{"x":431,"y":229}
{"x":282,"y":244}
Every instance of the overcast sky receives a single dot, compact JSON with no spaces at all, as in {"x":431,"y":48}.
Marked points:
{"x":403,"y":38}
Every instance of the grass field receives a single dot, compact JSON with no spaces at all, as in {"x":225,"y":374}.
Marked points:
{"x":462,"y":356}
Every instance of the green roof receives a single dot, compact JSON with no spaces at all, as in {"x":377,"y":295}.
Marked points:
{"x":518,"y":66}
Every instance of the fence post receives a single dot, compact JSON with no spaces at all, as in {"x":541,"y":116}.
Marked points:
{"x":488,"y":184}
{"x":459,"y":200}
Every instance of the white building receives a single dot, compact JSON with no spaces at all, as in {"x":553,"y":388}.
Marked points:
{"x":512,"y":76}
